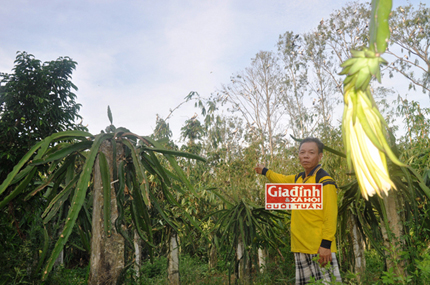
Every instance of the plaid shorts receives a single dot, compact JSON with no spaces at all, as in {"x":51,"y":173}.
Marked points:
{"x":307,"y":268}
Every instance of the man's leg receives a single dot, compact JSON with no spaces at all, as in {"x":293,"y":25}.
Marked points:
{"x":306,"y":268}
{"x":333,"y":274}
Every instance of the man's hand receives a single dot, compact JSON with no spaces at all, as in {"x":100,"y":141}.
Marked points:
{"x":325,"y":256}
{"x":259,"y":168}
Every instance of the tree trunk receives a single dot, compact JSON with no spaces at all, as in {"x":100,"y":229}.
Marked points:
{"x":392,"y":233}
{"x":173,"y":269}
{"x":213,"y":258}
{"x":358,"y":248}
{"x":241,"y":267}
{"x":107,"y":253}
{"x":262,"y":256}
{"x":60,"y":259}
{"x":137,"y":253}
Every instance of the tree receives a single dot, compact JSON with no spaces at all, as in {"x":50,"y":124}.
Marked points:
{"x":36,"y":101}
{"x":162,"y":129}
{"x":347,"y":28}
{"x":322,"y":78}
{"x":255,"y":94}
{"x":193,"y":131}
{"x":294,"y":84}
{"x":410,"y":45}
{"x":107,"y":245}
{"x":129,"y":180}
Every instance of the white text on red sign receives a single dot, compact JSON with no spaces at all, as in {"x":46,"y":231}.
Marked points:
{"x":293,"y":196}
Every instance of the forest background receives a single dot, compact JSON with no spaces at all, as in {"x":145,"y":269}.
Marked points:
{"x":293,"y":90}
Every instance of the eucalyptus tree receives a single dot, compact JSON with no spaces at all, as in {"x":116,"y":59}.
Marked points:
{"x":255,"y":95}
{"x":293,"y":87}
{"x":410,"y":43}
{"x":232,"y":159}
{"x":201,"y":139}
{"x":347,"y":28}
{"x":323,"y":84}
{"x":332,"y":40}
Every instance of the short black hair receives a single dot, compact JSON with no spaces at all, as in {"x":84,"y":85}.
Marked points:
{"x":315,"y":140}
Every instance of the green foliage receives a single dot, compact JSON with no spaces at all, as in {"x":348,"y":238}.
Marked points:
{"x":423,"y":268}
{"x":244,"y":225}
{"x":20,"y":251}
{"x":75,"y":276}
{"x":415,"y":144}
{"x":133,"y":174}
{"x":374,"y":266}
{"x":162,"y":131}
{"x":154,"y":269}
{"x":279,"y":268}
{"x":390,"y":277}
{"x":328,"y":267}
{"x":36,"y":101}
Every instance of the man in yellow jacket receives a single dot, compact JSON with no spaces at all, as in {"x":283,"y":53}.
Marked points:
{"x":312,"y":231}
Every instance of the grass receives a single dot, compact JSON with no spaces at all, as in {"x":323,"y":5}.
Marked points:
{"x":194,"y":270}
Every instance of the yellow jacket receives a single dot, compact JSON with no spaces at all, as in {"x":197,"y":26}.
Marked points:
{"x":311,"y":228}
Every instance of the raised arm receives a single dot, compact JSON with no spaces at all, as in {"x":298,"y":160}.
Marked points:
{"x":273,"y":176}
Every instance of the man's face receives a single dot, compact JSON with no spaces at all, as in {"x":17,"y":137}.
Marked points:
{"x":309,"y":156}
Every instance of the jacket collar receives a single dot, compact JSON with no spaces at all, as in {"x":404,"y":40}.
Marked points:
{"x":303,"y":174}
{"x":315,"y":170}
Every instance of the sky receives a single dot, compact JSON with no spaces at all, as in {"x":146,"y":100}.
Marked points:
{"x":142,"y":58}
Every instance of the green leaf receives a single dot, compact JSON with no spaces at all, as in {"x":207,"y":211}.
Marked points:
{"x":110,"y":115}
{"x":120,"y":203}
{"x":220,"y":196}
{"x":140,"y":171}
{"x":42,"y":146}
{"x":160,"y":170}
{"x":175,"y":153}
{"x":18,"y":190}
{"x":105,"y":176}
{"x":162,"y":212}
{"x":141,"y":216}
{"x":77,"y":202}
{"x":175,"y":166}
{"x":55,"y":176}
{"x":46,"y":240}
{"x":58,"y":201}
{"x":18,"y":166}
{"x":64,"y":152}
